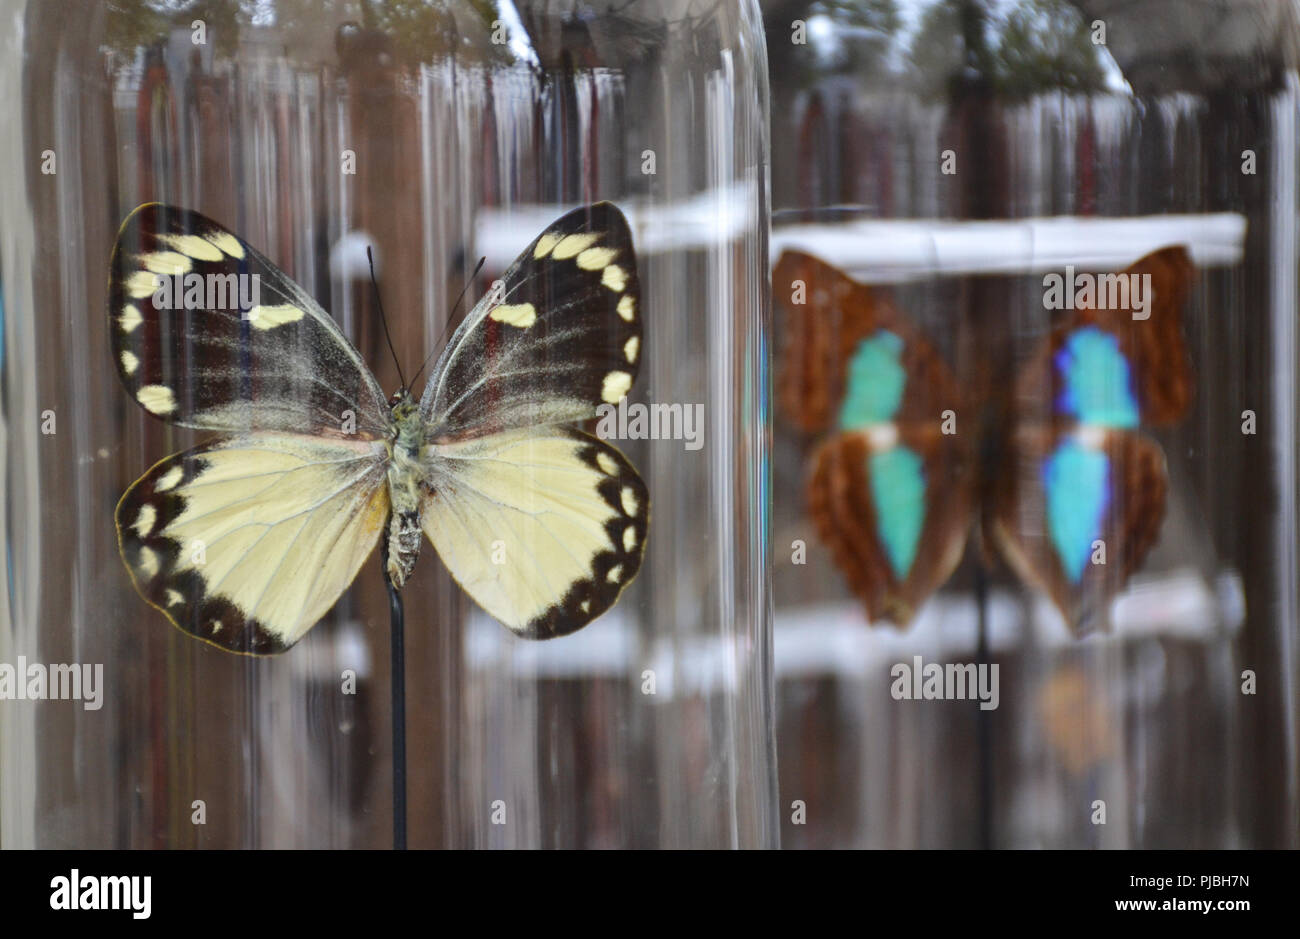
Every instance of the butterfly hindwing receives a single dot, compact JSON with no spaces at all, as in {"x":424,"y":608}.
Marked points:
{"x":894,"y":513}
{"x":208,"y":333}
{"x":248,"y":541}
{"x":543,"y":528}
{"x":1079,"y":512}
{"x":557,"y":336}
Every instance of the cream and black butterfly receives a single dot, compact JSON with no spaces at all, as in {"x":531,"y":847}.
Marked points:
{"x":249,"y":539}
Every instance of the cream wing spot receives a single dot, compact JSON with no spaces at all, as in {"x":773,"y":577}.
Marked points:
{"x":631,"y":348}
{"x":627,"y":307}
{"x":545,"y":244}
{"x":143,"y":523}
{"x":228,"y":243}
{"x":130,"y":318}
{"x":129,"y":362}
{"x":521,"y":315}
{"x":194,"y":246}
{"x":169,"y":479}
{"x":174,"y":597}
{"x":606,"y":464}
{"x":156,"y":398}
{"x":631,"y":502}
{"x":615,"y":387}
{"x":266,"y":316}
{"x":166,"y":262}
{"x":615,"y":573}
{"x":148,"y":563}
{"x":615,"y":278}
{"x":629,"y":538}
{"x":141,"y":284}
{"x":595,"y":259}
{"x":574,"y":244}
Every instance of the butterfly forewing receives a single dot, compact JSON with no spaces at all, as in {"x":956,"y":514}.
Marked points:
{"x":826,"y":315}
{"x":558,"y":335}
{"x":1150,"y":343}
{"x":208,"y":333}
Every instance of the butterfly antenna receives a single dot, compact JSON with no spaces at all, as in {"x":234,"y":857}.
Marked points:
{"x":438,"y":345}
{"x":383,"y":319}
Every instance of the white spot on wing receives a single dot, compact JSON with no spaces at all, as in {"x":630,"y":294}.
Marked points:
{"x":881,"y":437}
{"x":615,"y":387}
{"x":143,"y":523}
{"x":574,"y":244}
{"x":630,"y":500}
{"x":156,"y":398}
{"x":1091,"y":436}
{"x":169,"y":479}
{"x":129,"y":362}
{"x":629,"y":538}
{"x":615,"y":278}
{"x":631,"y":348}
{"x":522,"y":315}
{"x":627,"y":308}
{"x":174,"y":597}
{"x":148,"y":563}
{"x":614,"y":574}
{"x":607,"y":464}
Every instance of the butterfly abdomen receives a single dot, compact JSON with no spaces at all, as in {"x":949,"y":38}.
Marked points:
{"x":405,"y":475}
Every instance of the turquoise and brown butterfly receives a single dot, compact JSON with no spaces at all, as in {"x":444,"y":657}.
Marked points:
{"x":246,"y":541}
{"x":894,"y":496}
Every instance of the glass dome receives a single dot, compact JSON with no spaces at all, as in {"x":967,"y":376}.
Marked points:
{"x":935,"y":165}
{"x":436,"y":134}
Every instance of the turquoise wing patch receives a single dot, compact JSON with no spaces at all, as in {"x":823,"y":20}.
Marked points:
{"x":1077,"y":482}
{"x":898,"y":494}
{"x":1097,"y":383}
{"x":876,"y":380}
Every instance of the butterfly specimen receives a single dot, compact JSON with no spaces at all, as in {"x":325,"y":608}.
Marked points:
{"x":1064,"y":484}
{"x":247,"y":540}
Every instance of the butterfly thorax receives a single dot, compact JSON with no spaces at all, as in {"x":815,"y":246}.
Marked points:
{"x":405,"y":475}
